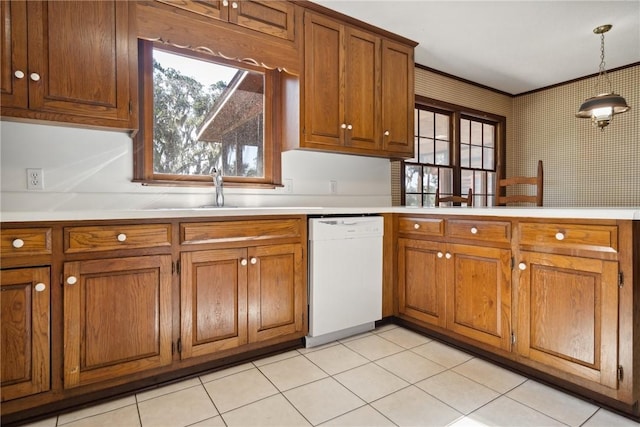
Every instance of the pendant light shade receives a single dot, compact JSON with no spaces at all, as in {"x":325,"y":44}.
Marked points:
{"x":601,"y":108}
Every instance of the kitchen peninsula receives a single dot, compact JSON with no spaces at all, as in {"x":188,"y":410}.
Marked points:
{"x":552,"y":293}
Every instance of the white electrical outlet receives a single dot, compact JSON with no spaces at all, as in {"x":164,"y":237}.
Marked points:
{"x":334,"y":186}
{"x":288,"y":185}
{"x":35,"y":179}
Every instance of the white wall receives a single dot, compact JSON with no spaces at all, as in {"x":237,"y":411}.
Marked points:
{"x":91,"y":169}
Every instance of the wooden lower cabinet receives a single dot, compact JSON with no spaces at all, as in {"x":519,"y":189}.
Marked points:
{"x":568,"y":315}
{"x":465,"y":289}
{"x":25,"y":309}
{"x":117,"y":317}
{"x":231,"y":297}
{"x":479,"y":293}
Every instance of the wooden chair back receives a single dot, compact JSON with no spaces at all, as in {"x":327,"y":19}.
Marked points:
{"x":502,"y":184}
{"x":455,"y":199}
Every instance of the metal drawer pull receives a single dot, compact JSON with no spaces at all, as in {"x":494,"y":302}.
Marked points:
{"x":122,"y":237}
{"x":35,"y":77}
{"x":19,"y":74}
{"x":254,"y":260}
{"x":474,"y":230}
{"x":522,"y":266}
{"x":559,"y":236}
{"x":416,"y":226}
{"x":40,"y":287}
{"x":243,"y":262}
{"x":447,"y":255}
{"x":440,"y":254}
{"x":17,"y":243}
{"x":72,"y":280}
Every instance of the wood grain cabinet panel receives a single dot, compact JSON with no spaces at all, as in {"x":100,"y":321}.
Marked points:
{"x":272,"y":17}
{"x":117,"y":317}
{"x":79,"y":67}
{"x":479,"y":294}
{"x":421,"y":278}
{"x":421,"y":226}
{"x":276,"y":291}
{"x":568,"y":315}
{"x":213,"y":301}
{"x":25,"y":316}
{"x":112,"y":237}
{"x":586,"y":237}
{"x":25,"y":241}
{"x":357,"y":91}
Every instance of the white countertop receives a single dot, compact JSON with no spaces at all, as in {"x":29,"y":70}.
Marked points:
{"x":629,"y":213}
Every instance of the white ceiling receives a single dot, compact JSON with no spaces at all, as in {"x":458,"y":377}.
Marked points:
{"x":513,"y":46}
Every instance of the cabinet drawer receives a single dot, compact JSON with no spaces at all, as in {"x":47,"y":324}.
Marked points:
{"x":424,"y":226}
{"x":26,"y":241}
{"x":603,"y":238}
{"x":231,"y":231}
{"x":110,"y":237}
{"x":493,"y":231}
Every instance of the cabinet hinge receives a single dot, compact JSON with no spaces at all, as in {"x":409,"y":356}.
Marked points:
{"x":620,"y":279}
{"x":173,"y":348}
{"x":513,"y":262}
{"x":175,"y":267}
{"x":178,"y":267}
{"x":620,"y":373}
{"x":179,"y":345}
{"x":130,"y":107}
{"x":513,"y":338}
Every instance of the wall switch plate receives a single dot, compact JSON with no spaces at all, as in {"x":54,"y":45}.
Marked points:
{"x":288,"y":185}
{"x":35,"y":179}
{"x":334,"y":186}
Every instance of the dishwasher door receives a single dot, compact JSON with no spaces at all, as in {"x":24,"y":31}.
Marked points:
{"x":345,"y":276}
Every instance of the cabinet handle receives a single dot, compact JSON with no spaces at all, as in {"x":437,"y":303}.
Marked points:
{"x":416,"y":226}
{"x":522,"y":266}
{"x":35,"y":77}
{"x":474,"y":230}
{"x":19,"y":74}
{"x":349,"y":127}
{"x":253,"y":260}
{"x":234,"y":5}
{"x":447,"y":255}
{"x":17,"y":243}
{"x":343,"y":126}
{"x":72,"y":280}
{"x":386,"y":133}
{"x":243,"y":262}
{"x":225,"y":3}
{"x":40,"y":287}
{"x":122,"y":237}
{"x":559,"y":235}
{"x":440,"y":254}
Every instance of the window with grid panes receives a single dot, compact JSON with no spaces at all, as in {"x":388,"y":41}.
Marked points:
{"x":455,"y":149}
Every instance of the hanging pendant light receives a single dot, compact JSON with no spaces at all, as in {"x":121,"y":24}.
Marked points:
{"x":602,"y":107}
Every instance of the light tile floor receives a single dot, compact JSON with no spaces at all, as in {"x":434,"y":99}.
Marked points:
{"x":387,"y":377}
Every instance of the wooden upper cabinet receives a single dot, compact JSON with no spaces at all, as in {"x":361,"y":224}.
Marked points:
{"x":25,"y":353}
{"x":345,"y":108}
{"x":275,"y":18}
{"x":398,"y":98}
{"x":117,"y":317}
{"x":80,"y":67}
{"x":568,"y":315}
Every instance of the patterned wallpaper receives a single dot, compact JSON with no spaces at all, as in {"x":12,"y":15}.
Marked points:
{"x":583,"y":166}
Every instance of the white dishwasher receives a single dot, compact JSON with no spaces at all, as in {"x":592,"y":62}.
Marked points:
{"x":345,"y":276}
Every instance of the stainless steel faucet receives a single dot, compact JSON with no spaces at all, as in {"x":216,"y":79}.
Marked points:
{"x":217,"y":181}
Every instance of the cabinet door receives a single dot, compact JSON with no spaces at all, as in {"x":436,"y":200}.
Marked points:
{"x":25,"y":315}
{"x":80,"y":51}
{"x":275,"y":18}
{"x":568,"y":315}
{"x":479,"y":294}
{"x":276,"y":291}
{"x":421,"y":281}
{"x":397,"y":98}
{"x":209,"y":8}
{"x":13,"y":64}
{"x":362,"y":96}
{"x":117,"y":317}
{"x":213,"y":301}
{"x":323,"y":82}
